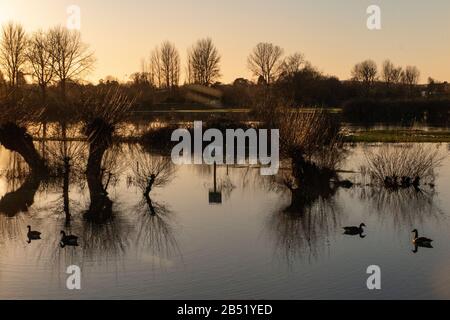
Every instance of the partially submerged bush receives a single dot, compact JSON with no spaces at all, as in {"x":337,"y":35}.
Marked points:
{"x":150,"y":170}
{"x":159,"y":138}
{"x":402,"y":165}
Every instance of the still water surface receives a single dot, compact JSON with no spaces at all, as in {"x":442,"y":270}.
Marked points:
{"x":244,"y":248}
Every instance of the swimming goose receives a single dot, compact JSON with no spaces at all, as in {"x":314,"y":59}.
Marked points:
{"x":69,"y":240}
{"x":33,"y":235}
{"x":422,"y":241}
{"x":353,"y":231}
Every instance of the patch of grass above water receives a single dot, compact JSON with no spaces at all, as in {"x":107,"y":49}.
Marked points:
{"x":398,"y":136}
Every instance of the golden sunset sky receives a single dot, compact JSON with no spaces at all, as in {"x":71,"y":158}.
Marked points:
{"x":331,"y":34}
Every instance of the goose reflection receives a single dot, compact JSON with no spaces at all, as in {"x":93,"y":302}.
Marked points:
{"x":424,"y":245}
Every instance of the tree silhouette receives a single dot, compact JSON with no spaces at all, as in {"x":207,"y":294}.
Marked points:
{"x":203,"y":63}
{"x":410,"y":77}
{"x":170,"y":64}
{"x":70,"y":56}
{"x":390,"y":73}
{"x":40,"y":60}
{"x":12,"y":52}
{"x":265,"y":61}
{"x":365,"y":72}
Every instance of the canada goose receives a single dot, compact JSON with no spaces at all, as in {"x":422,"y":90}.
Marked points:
{"x":33,"y":235}
{"x":353,"y":231}
{"x":422,"y":241}
{"x":68,"y":240}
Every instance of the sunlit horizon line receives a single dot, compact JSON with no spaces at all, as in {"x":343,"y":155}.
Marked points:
{"x":126,"y":78}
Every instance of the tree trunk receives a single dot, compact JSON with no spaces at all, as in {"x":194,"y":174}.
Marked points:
{"x":100,"y":208}
{"x":17,"y":139}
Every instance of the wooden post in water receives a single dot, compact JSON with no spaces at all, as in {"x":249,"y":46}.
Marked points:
{"x":215,"y":176}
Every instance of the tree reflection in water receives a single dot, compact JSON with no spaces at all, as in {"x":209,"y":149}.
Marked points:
{"x":19,"y":200}
{"x":303,"y":227}
{"x":154,"y":223}
{"x":405,"y":208}
{"x":66,"y":159}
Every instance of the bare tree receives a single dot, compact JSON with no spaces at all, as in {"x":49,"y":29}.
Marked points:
{"x":12,"y":52}
{"x":365,"y":72}
{"x":71,"y":57}
{"x":151,"y":171}
{"x":204,"y":60}
{"x":2,"y":84}
{"x":411,"y":76}
{"x":145,"y":72}
{"x":156,"y":68}
{"x":189,"y":72}
{"x":40,"y":60}
{"x":265,"y":61}
{"x":292,"y":64}
{"x":170,"y":63}
{"x":391,"y":74}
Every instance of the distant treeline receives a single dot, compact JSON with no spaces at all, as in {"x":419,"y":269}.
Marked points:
{"x":48,"y":68}
{"x":400,"y":111}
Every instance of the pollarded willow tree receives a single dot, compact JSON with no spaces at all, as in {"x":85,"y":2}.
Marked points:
{"x":14,"y":120}
{"x":101,"y":112}
{"x":203,"y":63}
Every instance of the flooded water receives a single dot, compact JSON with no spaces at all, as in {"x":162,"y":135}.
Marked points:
{"x":234,"y":242}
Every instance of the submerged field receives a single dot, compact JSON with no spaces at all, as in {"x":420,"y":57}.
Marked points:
{"x":244,"y":244}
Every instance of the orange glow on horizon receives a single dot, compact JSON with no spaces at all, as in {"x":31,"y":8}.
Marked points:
{"x":332,"y":35}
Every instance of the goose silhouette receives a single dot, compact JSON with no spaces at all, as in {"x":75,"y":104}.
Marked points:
{"x":420,"y":242}
{"x":33,"y":235}
{"x":68,"y":240}
{"x":355,"y":231}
